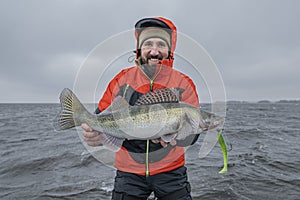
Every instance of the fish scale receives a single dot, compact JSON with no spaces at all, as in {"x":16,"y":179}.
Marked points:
{"x":157,"y":114}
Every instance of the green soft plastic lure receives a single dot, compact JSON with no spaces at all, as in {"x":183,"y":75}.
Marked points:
{"x":224,"y":151}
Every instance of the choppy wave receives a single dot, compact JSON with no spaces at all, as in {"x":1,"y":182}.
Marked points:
{"x":264,"y":161}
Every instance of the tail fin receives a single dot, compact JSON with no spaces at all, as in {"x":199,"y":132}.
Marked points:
{"x":70,"y":107}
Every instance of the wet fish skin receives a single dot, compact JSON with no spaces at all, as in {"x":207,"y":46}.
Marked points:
{"x":143,"y":122}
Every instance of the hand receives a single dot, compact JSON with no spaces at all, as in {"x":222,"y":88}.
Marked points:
{"x":163,"y":143}
{"x":92,"y":137}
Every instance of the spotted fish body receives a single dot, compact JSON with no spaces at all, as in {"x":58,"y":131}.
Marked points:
{"x":162,"y":117}
{"x":156,"y":114}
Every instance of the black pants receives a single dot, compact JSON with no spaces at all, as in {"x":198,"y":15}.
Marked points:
{"x":172,"y":185}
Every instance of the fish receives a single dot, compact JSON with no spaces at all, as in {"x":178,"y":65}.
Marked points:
{"x":157,"y":114}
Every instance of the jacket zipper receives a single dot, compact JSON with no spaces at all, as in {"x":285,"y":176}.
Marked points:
{"x":147,"y":159}
{"x":151,"y":89}
{"x":148,"y":142}
{"x":151,"y":85}
{"x":126,"y":88}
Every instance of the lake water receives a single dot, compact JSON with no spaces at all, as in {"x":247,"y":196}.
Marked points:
{"x":264,"y":162}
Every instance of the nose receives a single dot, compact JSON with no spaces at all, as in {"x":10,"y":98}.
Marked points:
{"x":154,"y":51}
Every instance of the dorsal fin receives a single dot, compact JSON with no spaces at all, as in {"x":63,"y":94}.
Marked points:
{"x":118,"y":103}
{"x":164,"y":95}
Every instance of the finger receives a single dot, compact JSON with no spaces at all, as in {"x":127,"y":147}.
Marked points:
{"x":89,"y":138}
{"x":86,"y":127}
{"x":155,"y":141}
{"x":92,"y":134}
{"x":94,"y":143}
{"x":163,"y":143}
{"x":173,"y":142}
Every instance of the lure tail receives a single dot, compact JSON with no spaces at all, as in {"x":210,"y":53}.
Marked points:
{"x":224,"y":151}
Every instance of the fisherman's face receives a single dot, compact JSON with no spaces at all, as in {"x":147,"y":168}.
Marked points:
{"x":153,"y":50}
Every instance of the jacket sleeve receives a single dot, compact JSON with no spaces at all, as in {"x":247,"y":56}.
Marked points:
{"x":110,"y":93}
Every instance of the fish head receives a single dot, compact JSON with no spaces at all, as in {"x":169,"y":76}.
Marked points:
{"x":210,"y":121}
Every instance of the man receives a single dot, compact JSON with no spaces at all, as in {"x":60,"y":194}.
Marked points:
{"x":153,"y":165}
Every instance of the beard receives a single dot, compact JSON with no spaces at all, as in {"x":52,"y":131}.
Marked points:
{"x":148,"y":68}
{"x":148,"y":57}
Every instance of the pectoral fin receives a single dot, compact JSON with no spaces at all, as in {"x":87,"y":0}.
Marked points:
{"x":112,"y":143}
{"x":208,"y":143}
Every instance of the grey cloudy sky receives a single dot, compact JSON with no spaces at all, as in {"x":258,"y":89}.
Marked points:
{"x":254,"y":43}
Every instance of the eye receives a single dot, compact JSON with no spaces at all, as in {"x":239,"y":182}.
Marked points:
{"x":161,"y":44}
{"x":148,"y":44}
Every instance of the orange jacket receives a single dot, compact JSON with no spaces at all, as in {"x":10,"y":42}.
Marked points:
{"x":138,"y":156}
{"x":130,"y":82}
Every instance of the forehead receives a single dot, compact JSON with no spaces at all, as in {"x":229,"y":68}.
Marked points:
{"x":155,"y":40}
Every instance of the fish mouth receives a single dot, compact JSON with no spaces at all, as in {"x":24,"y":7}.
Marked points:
{"x":212,"y":123}
{"x":216,"y":123}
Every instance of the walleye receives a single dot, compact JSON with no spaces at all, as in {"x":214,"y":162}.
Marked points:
{"x":157,"y":114}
